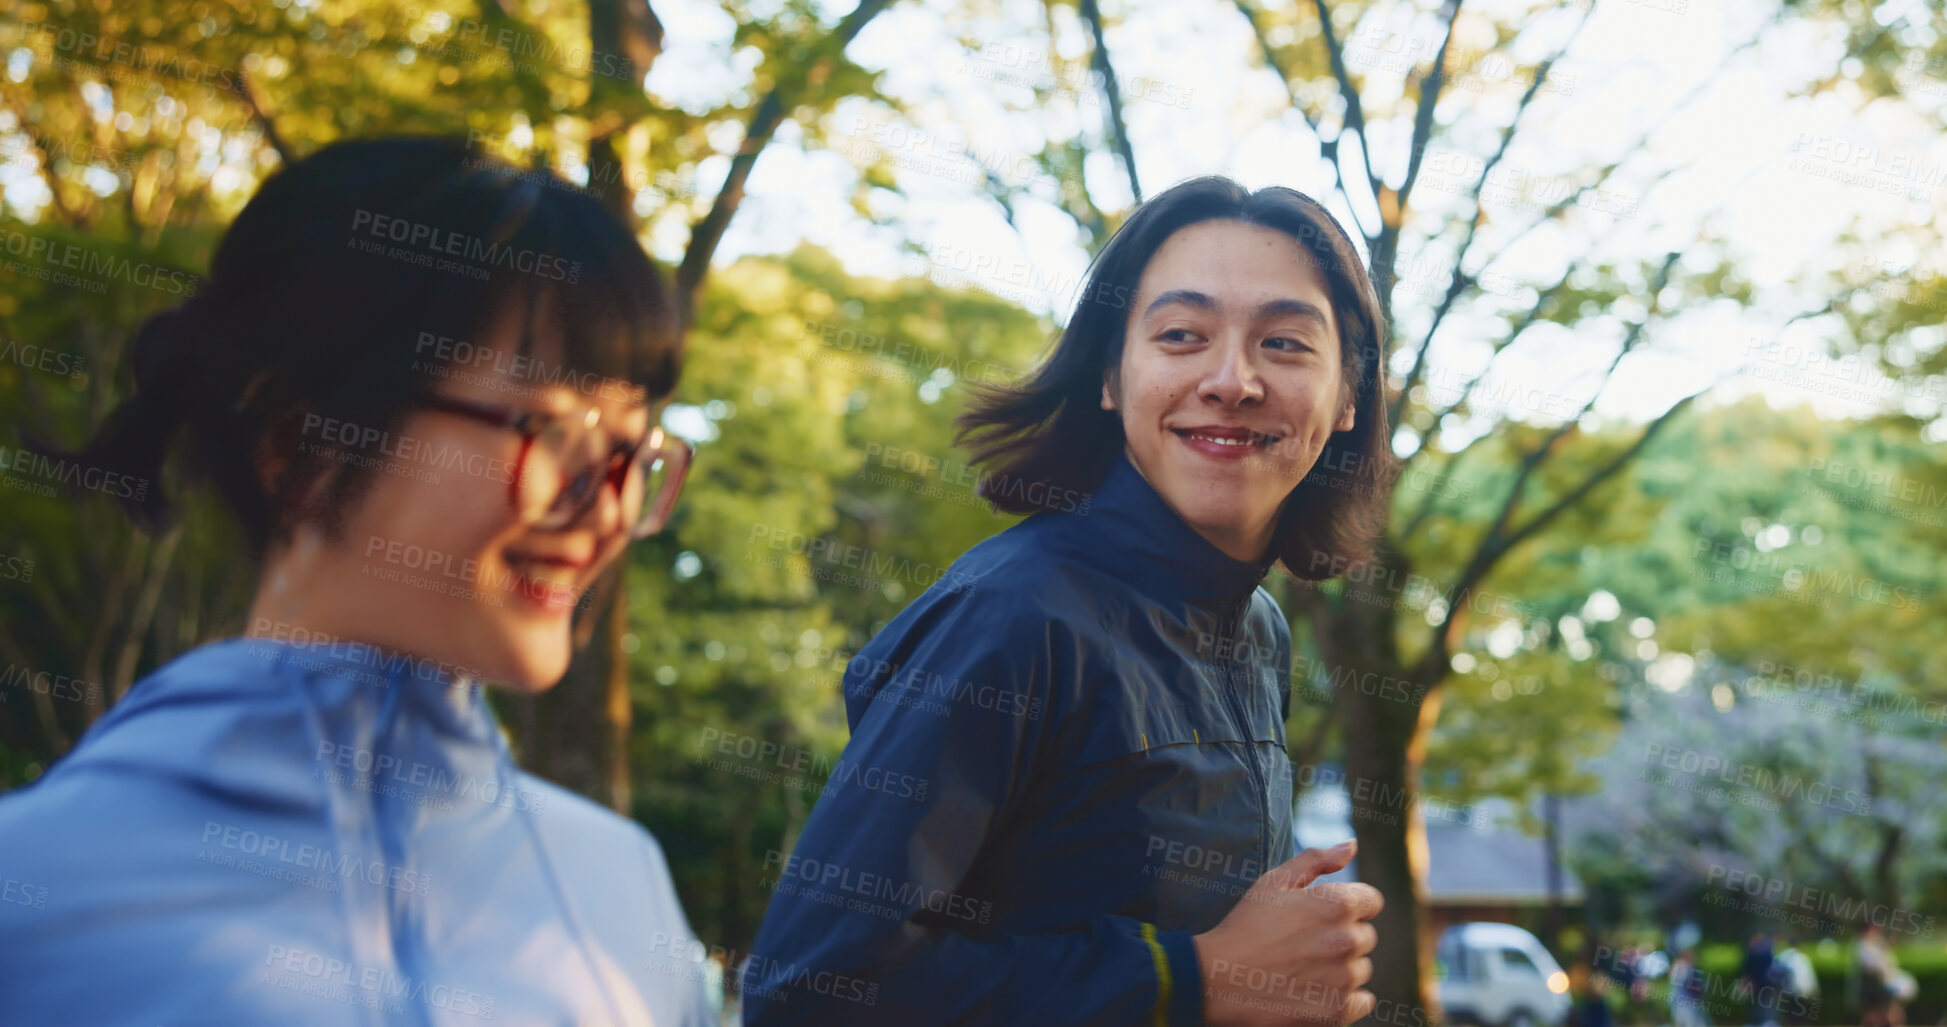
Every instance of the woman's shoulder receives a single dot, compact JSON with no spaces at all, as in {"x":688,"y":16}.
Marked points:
{"x":618,"y":882}
{"x":578,"y":829}
{"x":191,"y":718}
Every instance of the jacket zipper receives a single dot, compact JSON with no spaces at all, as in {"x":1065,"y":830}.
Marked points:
{"x":1233,"y":629}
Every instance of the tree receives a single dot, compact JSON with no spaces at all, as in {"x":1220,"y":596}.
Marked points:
{"x":1761,"y":644}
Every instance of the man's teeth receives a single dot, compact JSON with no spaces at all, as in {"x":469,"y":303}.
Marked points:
{"x":1251,"y":441}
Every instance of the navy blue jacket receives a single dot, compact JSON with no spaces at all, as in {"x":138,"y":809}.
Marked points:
{"x":1068,"y":757}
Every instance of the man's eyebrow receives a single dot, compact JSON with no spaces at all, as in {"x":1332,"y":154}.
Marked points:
{"x":1283,"y":307}
{"x":1189,"y":297}
{"x":1293,"y":308}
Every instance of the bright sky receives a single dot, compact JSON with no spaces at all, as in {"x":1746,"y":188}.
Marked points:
{"x":1767,"y":182}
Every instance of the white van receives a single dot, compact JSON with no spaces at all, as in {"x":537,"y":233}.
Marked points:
{"x":1499,"y":975}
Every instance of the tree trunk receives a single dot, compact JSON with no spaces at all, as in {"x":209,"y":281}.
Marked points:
{"x":577,"y":733}
{"x":1384,"y":740}
{"x":1551,"y":805}
{"x":1385,"y":744}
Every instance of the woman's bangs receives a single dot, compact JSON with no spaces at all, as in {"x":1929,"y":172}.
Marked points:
{"x":584,"y":285}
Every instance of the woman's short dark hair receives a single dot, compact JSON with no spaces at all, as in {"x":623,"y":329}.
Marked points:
{"x":352,"y":282}
{"x":1050,"y":429}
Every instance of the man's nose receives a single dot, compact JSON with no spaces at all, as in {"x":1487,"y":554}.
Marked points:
{"x":1233,"y":377}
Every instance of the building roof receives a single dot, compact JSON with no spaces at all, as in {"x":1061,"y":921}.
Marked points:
{"x":1476,"y":855}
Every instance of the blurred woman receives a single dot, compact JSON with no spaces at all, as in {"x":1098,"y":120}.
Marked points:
{"x":1066,"y":798}
{"x":1689,"y":985}
{"x":426,"y":384}
{"x":1883,"y":987}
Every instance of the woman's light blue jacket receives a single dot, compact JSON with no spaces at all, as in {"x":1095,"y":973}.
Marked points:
{"x":270,"y":833}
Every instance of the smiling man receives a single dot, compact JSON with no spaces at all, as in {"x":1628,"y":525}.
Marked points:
{"x":1104,"y":831}
{"x":1231,"y":379}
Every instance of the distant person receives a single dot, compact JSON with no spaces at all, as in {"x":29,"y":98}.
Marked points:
{"x":713,"y":975}
{"x":1798,"y":984}
{"x":1632,"y":987}
{"x":1883,"y":987}
{"x":1689,"y":991}
{"x":426,"y":385}
{"x":1589,"y":986}
{"x":1632,"y":977}
{"x":1756,"y":981}
{"x":1067,"y":799}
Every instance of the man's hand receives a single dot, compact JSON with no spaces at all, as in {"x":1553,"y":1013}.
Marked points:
{"x":1291,"y":951}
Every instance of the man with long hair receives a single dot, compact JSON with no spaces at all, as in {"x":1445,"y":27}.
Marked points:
{"x":1066,"y":798}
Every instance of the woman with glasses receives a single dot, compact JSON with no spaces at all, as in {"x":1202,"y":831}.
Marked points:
{"x":426,"y":386}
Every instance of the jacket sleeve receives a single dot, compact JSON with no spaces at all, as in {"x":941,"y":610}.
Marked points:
{"x":867,"y":926}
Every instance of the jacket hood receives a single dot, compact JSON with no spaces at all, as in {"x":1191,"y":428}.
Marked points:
{"x":263,"y":830}
{"x":314,"y":706}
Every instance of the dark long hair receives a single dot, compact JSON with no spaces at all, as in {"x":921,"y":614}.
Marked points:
{"x":1051,"y":429}
{"x":343,"y":291}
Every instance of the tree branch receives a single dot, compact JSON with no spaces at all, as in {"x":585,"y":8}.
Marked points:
{"x":1460,"y":280}
{"x":630,"y":27}
{"x":1112,"y":95}
{"x":1392,"y":205}
{"x":1838,"y":869}
{"x":1328,"y":149}
{"x":161,"y":556}
{"x":1355,"y":113}
{"x":1490,"y":555}
{"x":1892,"y":833}
{"x":263,"y":115}
{"x":1527,"y":320}
{"x":1499,"y":539}
{"x":764,"y":121}
{"x":1430,"y":87}
{"x":1425,"y":511}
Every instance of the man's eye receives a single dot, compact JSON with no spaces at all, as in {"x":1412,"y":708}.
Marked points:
{"x":1288,"y":344}
{"x":1179,"y":335}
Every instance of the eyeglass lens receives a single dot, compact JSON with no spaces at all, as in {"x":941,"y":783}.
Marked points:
{"x":571,"y":461}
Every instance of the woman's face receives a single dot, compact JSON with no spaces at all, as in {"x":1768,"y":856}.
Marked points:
{"x":435,"y":561}
{"x":1230,"y":381}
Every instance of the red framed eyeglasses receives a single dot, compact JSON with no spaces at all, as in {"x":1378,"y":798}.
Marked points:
{"x":560,"y":471}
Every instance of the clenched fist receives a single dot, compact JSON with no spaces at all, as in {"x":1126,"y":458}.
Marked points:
{"x":1292,"y":951}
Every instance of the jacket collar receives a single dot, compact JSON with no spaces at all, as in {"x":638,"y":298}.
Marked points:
{"x":446,"y":701}
{"x":1135,"y":535}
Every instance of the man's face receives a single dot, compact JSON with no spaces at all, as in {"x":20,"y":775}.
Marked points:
{"x":1230,"y":380}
